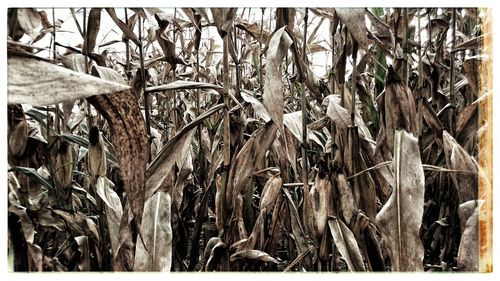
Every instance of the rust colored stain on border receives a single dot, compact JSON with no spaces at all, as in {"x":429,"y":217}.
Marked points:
{"x":486,"y":147}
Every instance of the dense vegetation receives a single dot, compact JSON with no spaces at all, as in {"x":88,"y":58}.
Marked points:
{"x":174,"y":148}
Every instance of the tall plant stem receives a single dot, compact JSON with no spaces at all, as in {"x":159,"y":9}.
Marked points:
{"x":174,"y":70}
{"x":342,"y":90}
{"x":261,"y":83}
{"x":405,"y":46}
{"x":143,"y":78}
{"x":452,"y":97}
{"x":305,"y":172}
{"x":127,"y":50}
{"x":57,"y":121}
{"x":354,"y":79}
{"x":332,"y":83}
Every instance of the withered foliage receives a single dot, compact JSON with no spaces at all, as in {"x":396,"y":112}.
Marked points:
{"x":208,"y":140}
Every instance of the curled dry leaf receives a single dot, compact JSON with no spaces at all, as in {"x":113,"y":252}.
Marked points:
{"x":93,"y":25}
{"x":399,"y":107}
{"x":468,"y":251}
{"x":247,"y":159}
{"x":83,"y":248}
{"x":273,"y":88}
{"x":259,"y":109}
{"x":398,"y":222}
{"x":252,"y":256}
{"x":29,"y":21}
{"x":301,"y":240}
{"x":107,"y":74}
{"x":458,"y":159}
{"x":223,"y":19}
{"x":37,"y":82}
{"x":125,"y":29}
{"x":346,"y":244}
{"x":114,"y":210}
{"x":176,"y":147}
{"x":128,"y":135}
{"x":157,"y":231}
{"x":182,"y":85}
{"x":79,"y":224}
{"x":354,"y":20}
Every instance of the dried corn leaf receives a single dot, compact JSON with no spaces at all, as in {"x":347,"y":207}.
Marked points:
{"x":37,"y":82}
{"x":129,"y":139}
{"x":114,"y":211}
{"x":27,"y":226}
{"x":354,"y":20}
{"x":273,"y":87}
{"x":223,"y":19}
{"x":301,"y":240}
{"x":468,"y":251}
{"x":176,"y":148}
{"x":399,"y":107}
{"x":400,"y":218}
{"x":29,"y":21}
{"x":35,"y":257}
{"x":182,"y":85}
{"x":83,"y":248}
{"x":246,"y":161}
{"x":252,"y":256}
{"x":253,"y":29}
{"x":79,"y":223}
{"x":93,"y":25}
{"x":458,"y":159}
{"x":259,"y":109}
{"x":75,"y":62}
{"x":108,"y":74}
{"x":346,"y":244}
{"x":126,"y":30}
{"x":186,"y":169}
{"x":157,"y":235}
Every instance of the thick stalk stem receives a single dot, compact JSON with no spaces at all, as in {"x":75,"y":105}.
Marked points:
{"x":354,"y":79}
{"x":143,"y":78}
{"x":305,"y":172}
{"x":452,"y":98}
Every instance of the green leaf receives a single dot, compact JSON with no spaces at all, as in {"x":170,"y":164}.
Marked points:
{"x":32,"y":173}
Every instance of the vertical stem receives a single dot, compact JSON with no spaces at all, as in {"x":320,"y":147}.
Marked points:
{"x":127,"y":50}
{"x":332,"y":86}
{"x":237,"y":65}
{"x":452,"y":98}
{"x":261,"y":84}
{"x":354,"y":79}
{"x":227,"y":141}
{"x":143,"y":78}
{"x":198,"y":92}
{"x":174,"y":70}
{"x":420,"y":81}
{"x":429,"y":48}
{"x":305,"y":172}
{"x":342,"y":90}
{"x":405,"y":46}
{"x":57,"y":121}
{"x":89,"y":112}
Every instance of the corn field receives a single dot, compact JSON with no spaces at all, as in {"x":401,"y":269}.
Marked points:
{"x":249,"y":139}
